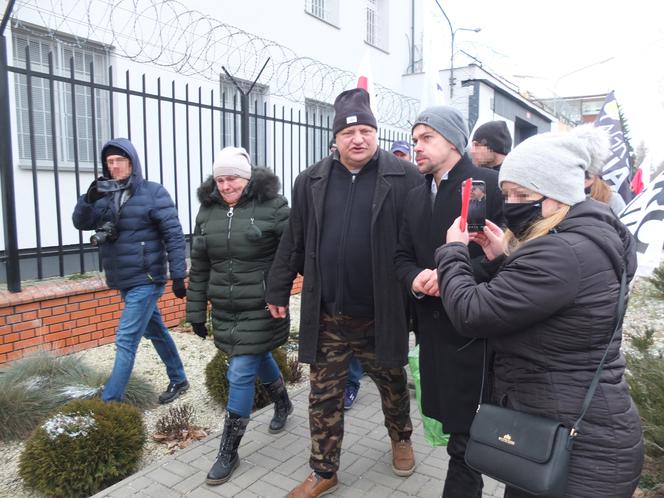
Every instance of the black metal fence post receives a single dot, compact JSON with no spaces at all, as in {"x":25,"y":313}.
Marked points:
{"x":7,"y":167}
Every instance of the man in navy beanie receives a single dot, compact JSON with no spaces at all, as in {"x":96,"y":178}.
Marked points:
{"x":341,"y":236}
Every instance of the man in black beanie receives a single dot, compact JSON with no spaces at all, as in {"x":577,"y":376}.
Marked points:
{"x":341,"y":236}
{"x":491,"y":143}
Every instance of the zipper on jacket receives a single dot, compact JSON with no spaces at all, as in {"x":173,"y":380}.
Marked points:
{"x":229,"y":215}
{"x":339,"y":294}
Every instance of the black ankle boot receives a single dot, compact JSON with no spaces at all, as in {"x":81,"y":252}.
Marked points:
{"x":227,"y":459}
{"x":282,"y":405}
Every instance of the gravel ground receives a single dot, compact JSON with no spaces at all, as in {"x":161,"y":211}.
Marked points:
{"x":195,"y":354}
{"x":645,"y":310}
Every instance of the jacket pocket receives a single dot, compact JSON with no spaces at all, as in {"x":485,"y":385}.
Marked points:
{"x":199,"y":245}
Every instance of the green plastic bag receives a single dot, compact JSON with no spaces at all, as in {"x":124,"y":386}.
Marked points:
{"x":433,"y":429}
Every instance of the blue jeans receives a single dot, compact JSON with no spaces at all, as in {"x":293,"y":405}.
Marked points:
{"x":141,"y":318}
{"x":355,"y":372}
{"x":241,"y":375}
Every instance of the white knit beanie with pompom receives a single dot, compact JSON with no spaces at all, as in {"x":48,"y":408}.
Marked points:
{"x":554,"y":164}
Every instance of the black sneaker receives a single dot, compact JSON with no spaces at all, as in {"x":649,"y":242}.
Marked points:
{"x":173,"y":391}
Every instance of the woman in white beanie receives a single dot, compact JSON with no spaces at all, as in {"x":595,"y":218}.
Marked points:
{"x":551,"y":306}
{"x":238,"y":229}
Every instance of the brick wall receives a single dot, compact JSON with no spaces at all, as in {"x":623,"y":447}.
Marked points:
{"x":64,"y":316}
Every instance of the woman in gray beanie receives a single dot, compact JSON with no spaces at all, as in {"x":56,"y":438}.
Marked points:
{"x":551,"y":305}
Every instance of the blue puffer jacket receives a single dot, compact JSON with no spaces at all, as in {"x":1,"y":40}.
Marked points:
{"x":148,"y":228}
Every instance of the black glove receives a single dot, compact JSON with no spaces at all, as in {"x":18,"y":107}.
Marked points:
{"x":200,"y":330}
{"x":92,"y":194}
{"x":179,"y":289}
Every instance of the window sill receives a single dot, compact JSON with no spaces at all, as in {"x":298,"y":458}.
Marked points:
{"x":330,"y":23}
{"x":63,"y":167}
{"x":384,"y":50}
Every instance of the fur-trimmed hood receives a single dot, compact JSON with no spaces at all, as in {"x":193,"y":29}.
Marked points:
{"x":263,"y":186}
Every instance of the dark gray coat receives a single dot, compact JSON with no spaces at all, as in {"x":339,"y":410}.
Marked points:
{"x":552,"y":309}
{"x":450,"y":365}
{"x":298,"y":253}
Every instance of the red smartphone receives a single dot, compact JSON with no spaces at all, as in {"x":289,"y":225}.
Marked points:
{"x":477,"y":206}
{"x":465,"y":201}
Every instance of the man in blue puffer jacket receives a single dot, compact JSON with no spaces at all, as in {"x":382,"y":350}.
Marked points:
{"x":136,"y":225}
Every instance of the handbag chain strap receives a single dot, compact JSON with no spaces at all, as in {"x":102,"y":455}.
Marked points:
{"x":593,"y":385}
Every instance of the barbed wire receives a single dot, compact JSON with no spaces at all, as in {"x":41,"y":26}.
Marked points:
{"x":168,"y":34}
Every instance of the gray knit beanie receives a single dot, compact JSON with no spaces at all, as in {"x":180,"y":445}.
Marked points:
{"x":232,"y":161}
{"x":554,"y":164}
{"x":447,"y":121}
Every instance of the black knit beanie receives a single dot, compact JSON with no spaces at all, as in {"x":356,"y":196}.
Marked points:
{"x":352,"y":108}
{"x":494,"y":135}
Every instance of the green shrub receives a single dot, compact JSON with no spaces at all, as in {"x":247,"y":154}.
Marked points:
{"x":645,"y":375}
{"x":34,"y":386}
{"x":84,"y":447}
{"x":217,"y":384}
{"x":657,"y":279}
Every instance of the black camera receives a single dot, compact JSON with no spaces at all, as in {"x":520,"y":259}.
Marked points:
{"x":105,"y":233}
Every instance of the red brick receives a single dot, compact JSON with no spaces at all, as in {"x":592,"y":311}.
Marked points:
{"x":49,"y":320}
{"x":85,"y":305}
{"x":59,"y":310}
{"x":6,"y":348}
{"x":71,"y":307}
{"x":35,"y":341}
{"x":51,"y":303}
{"x":82,"y":321}
{"x":104,"y":301}
{"x":107,"y":340}
{"x":56,"y":336}
{"x":71,"y":340}
{"x":56,"y":327}
{"x":86,"y":329}
{"x":82,"y":314}
{"x":44,"y":312}
{"x":12,"y":319}
{"x":21,"y":308}
{"x":28,"y":334}
{"x":79,"y":298}
{"x":3,"y":358}
{"x":15,"y":355}
{"x":31,"y":325}
{"x":12,"y":337}
{"x":6,"y":310}
{"x":30,"y":315}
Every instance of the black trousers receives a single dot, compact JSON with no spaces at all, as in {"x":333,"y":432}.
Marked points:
{"x":461,"y":480}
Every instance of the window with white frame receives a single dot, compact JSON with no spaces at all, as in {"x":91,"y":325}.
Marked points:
{"x":326,"y":10}
{"x":319,"y":123}
{"x":39,"y":44}
{"x":377,"y":23}
{"x":230,"y":96}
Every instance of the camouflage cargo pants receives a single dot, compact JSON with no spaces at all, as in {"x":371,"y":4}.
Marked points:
{"x":338,"y":338}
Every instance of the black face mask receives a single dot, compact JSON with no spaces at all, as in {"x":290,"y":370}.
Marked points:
{"x":587,"y":190}
{"x":520,"y":216}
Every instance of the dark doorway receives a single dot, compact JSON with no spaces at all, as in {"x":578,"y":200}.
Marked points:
{"x":522,"y":130}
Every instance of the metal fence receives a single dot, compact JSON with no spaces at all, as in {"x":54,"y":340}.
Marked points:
{"x":52,"y":127}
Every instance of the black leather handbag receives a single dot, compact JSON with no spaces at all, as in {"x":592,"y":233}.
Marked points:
{"x":526,"y":451}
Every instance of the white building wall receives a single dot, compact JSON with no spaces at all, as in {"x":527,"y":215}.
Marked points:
{"x":286,"y":22}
